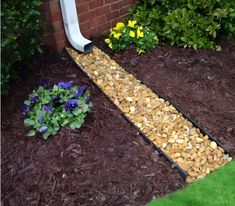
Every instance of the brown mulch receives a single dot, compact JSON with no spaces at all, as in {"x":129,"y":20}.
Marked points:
{"x":201,"y":83}
{"x":106,"y":162}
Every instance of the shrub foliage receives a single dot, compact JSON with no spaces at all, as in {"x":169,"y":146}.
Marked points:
{"x":192,"y":23}
{"x":21,"y":32}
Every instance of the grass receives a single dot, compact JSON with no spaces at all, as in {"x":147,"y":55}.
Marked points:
{"x":217,"y":189}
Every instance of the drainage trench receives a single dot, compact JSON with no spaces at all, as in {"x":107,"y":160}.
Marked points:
{"x":181,"y":140}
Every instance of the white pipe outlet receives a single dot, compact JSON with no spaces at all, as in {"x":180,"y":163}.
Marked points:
{"x":72,"y":29}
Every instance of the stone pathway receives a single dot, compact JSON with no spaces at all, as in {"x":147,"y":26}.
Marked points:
{"x":155,"y":117}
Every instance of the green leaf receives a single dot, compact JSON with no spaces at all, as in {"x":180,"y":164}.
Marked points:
{"x":46,"y":135}
{"x":27,"y":102}
{"x":29,"y":122}
{"x":31,"y":133}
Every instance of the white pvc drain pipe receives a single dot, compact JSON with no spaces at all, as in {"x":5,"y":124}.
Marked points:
{"x":72,"y":29}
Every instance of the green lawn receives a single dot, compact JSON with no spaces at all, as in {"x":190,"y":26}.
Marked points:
{"x":216,"y":189}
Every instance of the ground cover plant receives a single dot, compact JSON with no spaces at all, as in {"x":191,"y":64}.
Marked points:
{"x":219,"y":186}
{"x":20,"y":38}
{"x":131,"y":33}
{"x":49,"y":109}
{"x":188,"y":23}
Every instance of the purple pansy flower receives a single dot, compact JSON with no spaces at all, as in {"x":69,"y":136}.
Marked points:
{"x":41,"y":120}
{"x":47,"y":108}
{"x":34,"y":99}
{"x":65,"y":85}
{"x":70,"y":104}
{"x":43,"y":83}
{"x":43,"y":129}
{"x":26,"y":109}
{"x":80,"y":91}
{"x":55,"y":100}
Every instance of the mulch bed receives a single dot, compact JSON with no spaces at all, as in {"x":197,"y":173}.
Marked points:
{"x":201,"y":83}
{"x":106,"y":162}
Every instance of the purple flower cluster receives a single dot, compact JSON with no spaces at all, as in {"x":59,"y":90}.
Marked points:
{"x":80,"y":91}
{"x":70,"y":104}
{"x":43,"y":129}
{"x":55,"y":100}
{"x":65,"y":85}
{"x":47,"y":108}
{"x":26,"y":109}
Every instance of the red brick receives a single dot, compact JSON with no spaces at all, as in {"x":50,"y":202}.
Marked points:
{"x":82,"y":8}
{"x":98,"y":21}
{"x":109,"y":1}
{"x":104,"y":28}
{"x":116,"y":6}
{"x":54,"y":6}
{"x":56,"y":16}
{"x":79,"y":2}
{"x":102,"y":10}
{"x":60,"y":45}
{"x":44,"y":7}
{"x":85,"y":26}
{"x":45,"y":16}
{"x":59,"y":36}
{"x":129,"y":2}
{"x":95,"y":4}
{"x":87,"y":16}
{"x":113,"y":15}
{"x":124,"y":10}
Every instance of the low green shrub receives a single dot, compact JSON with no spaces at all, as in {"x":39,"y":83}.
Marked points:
{"x":123,"y":35}
{"x":21,"y":32}
{"x":188,"y":23}
{"x":47,"y":110}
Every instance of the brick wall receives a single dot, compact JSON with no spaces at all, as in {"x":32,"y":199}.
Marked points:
{"x":96,"y":18}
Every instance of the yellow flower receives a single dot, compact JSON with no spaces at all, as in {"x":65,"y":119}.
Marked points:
{"x":132,"y":34}
{"x":131,"y":23}
{"x":140,"y":27}
{"x":107,"y":41}
{"x":110,"y":45}
{"x":119,"y":26}
{"x":117,"y":35}
{"x":140,"y":34}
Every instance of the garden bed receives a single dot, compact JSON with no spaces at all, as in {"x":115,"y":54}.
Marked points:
{"x":106,"y":162}
{"x":200,"y":82}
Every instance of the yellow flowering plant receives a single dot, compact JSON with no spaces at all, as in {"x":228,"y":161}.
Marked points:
{"x":123,"y":35}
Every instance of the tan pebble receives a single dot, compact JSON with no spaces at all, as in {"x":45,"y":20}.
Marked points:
{"x":139,"y":125}
{"x":180,"y":141}
{"x":213,"y":145}
{"x":132,"y":109}
{"x":129,"y":99}
{"x":199,"y":139}
{"x":171,"y":141}
{"x":190,"y":179}
{"x":164,"y":145}
{"x":208,"y":170}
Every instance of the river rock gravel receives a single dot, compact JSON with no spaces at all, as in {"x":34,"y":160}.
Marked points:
{"x":155,"y":117}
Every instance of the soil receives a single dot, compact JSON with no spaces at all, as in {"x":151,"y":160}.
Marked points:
{"x":201,"y":83}
{"x":106,"y":162}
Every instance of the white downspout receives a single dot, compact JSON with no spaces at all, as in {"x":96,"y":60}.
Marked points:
{"x":72,"y":29}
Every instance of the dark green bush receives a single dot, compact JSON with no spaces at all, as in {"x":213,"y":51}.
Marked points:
{"x":192,"y":23}
{"x":21,"y":32}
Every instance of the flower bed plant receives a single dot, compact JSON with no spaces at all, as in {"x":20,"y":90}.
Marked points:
{"x":123,"y":35}
{"x":47,"y":110}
